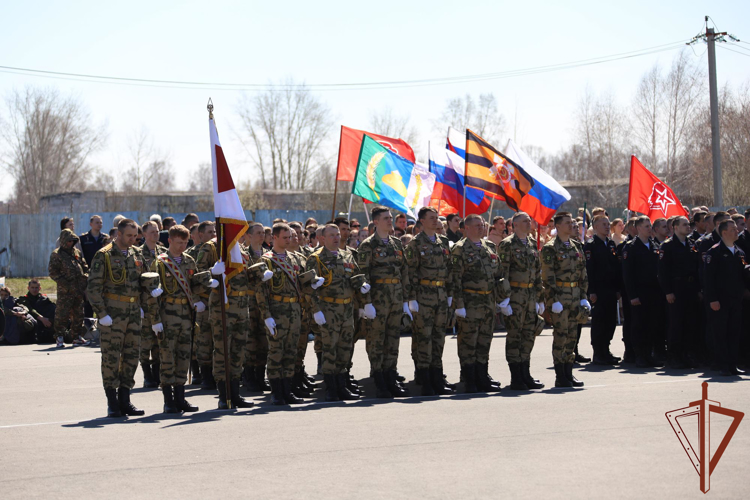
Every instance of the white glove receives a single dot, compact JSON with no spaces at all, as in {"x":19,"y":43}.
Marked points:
{"x":407,"y":311}
{"x":213,"y":283}
{"x":267,"y":275}
{"x":413,"y":306}
{"x":106,"y":320}
{"x":557,"y":308}
{"x":504,"y":303}
{"x":317,"y":283}
{"x":450,"y":301}
{"x":506,"y":310}
{"x":271,"y":325}
{"x":585,"y":303}
{"x":156,"y":292}
{"x":461,"y":313}
{"x":142,"y":315}
{"x":361,"y":313}
{"x":369,"y":311}
{"x":365,"y":288}
{"x":199,"y":306}
{"x":319,"y":318}
{"x":218,"y":268}
{"x":540,"y":308}
{"x":157,"y":328}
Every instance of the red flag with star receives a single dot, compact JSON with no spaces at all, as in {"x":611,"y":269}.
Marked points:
{"x":649,"y":195}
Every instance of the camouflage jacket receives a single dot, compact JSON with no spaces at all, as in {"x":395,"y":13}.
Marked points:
{"x":197,"y":283}
{"x":67,"y":266}
{"x":118,"y":273}
{"x":148,"y":256}
{"x":380,"y":261}
{"x":205,"y":255}
{"x":337,"y":271}
{"x":563,"y":264}
{"x":431,"y":261}
{"x":281,"y":285}
{"x":477,"y":273}
{"x":521,"y":263}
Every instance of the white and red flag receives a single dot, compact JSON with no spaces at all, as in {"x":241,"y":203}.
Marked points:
{"x":649,"y":195}
{"x":230,"y":218}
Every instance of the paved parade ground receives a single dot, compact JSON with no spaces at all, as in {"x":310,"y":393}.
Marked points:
{"x":607,"y":440}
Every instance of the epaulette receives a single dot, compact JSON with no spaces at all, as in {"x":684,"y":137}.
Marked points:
{"x":105,"y":248}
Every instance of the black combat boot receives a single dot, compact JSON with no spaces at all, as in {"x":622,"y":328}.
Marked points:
{"x":381,"y":387}
{"x":483,"y":379}
{"x":221,"y":386}
{"x":298,"y":386}
{"x":424,"y":376}
{"x":260,"y":376}
{"x":319,"y":355}
{"x":169,"y":406}
{"x":469,"y":377}
{"x":330,"y":381}
{"x":126,"y":407}
{"x":113,"y":406}
{"x":560,"y":379}
{"x":437,"y":379}
{"x":237,"y":400}
{"x":277,"y":392}
{"x":289,"y":396}
{"x":342,"y":390}
{"x":417,"y":374}
{"x":400,"y":378}
{"x":156,"y":372}
{"x":569,"y":374}
{"x":209,"y":384}
{"x":493,"y":382}
{"x":352,"y":385}
{"x":517,"y":382}
{"x":308,"y":378}
{"x":393,"y":385}
{"x":250,"y":380}
{"x":180,"y":402}
{"x":195,"y":370}
{"x":530,"y":381}
{"x":148,"y":379}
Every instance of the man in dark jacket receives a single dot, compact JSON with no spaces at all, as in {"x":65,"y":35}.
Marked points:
{"x":41,"y":309}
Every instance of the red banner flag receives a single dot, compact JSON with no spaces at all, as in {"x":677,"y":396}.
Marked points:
{"x":351,"y":143}
{"x":649,"y":195}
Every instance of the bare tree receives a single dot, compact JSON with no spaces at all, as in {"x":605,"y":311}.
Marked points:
{"x":48,"y":139}
{"x":201,"y":179}
{"x":284,"y":131}
{"x":481,"y":116}
{"x":385,"y":121}
{"x":149,"y":168}
{"x":648,"y":116}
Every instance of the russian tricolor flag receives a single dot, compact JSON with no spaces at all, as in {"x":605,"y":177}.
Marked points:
{"x":448,"y":194}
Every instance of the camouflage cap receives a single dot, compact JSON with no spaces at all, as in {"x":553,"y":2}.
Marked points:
{"x":357,"y":281}
{"x":307,"y":277}
{"x":67,"y":235}
{"x":256,"y":271}
{"x":149,"y":281}
{"x":581,"y":314}
{"x":203,"y":278}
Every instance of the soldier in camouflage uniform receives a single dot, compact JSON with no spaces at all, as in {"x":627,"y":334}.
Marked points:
{"x":68,"y":269}
{"x":565,"y":284}
{"x":301,"y":382}
{"x":172,"y":316}
{"x":116,"y":296}
{"x":430,"y":277}
{"x":149,"y":351}
{"x":332,"y":304}
{"x":477,"y":285}
{"x":205,"y":256}
{"x":381,"y":259}
{"x":279,"y":303}
{"x":521,"y":266}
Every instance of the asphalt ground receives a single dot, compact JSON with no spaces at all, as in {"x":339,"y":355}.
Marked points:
{"x":610,"y":439}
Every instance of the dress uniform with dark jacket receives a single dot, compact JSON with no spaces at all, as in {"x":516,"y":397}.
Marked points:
{"x":605,"y":280}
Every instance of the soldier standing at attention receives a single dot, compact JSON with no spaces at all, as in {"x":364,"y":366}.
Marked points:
{"x":114,"y":291}
{"x":476,"y":272}
{"x":205,"y":256}
{"x":68,"y":269}
{"x":149,"y":352}
{"x":301,"y":382}
{"x":172,"y":316}
{"x":430,"y":278}
{"x":279,"y":304}
{"x":605,"y":278}
{"x":381,"y":259}
{"x":333,"y":312}
{"x":565,"y":285}
{"x":522,"y":269}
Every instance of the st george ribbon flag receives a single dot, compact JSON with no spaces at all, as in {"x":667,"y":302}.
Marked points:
{"x":649,"y":195}
{"x":546,"y":194}
{"x":350,"y":144}
{"x":386,"y":178}
{"x":448,"y":195}
{"x":227,"y":209}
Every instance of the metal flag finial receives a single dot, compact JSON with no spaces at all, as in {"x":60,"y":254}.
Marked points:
{"x":210,"y":108}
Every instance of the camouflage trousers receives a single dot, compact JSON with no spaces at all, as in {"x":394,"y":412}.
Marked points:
{"x":238,"y":322}
{"x":565,"y":333}
{"x":384,"y":332}
{"x":204,"y":338}
{"x":69,"y":308}
{"x":523,"y":325}
{"x":429,"y":330}
{"x":256,"y":347}
{"x":282,"y":347}
{"x":475,"y":330}
{"x":337,"y":337}
{"x":305,"y":329}
{"x":149,"y":351}
{"x":175,"y":343}
{"x":317,"y":343}
{"x":120,"y":344}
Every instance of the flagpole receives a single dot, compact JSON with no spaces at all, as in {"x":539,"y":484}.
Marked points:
{"x":220,"y":241}
{"x":349,"y":213}
{"x":367,"y":213}
{"x":489,"y":217}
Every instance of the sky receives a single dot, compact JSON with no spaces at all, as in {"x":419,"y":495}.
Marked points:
{"x":343,"y":42}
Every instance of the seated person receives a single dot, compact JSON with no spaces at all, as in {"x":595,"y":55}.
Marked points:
{"x":18,"y":325}
{"x":42,"y":310}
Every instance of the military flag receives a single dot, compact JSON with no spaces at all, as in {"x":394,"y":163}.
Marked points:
{"x":649,"y":195}
{"x":350,"y":145}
